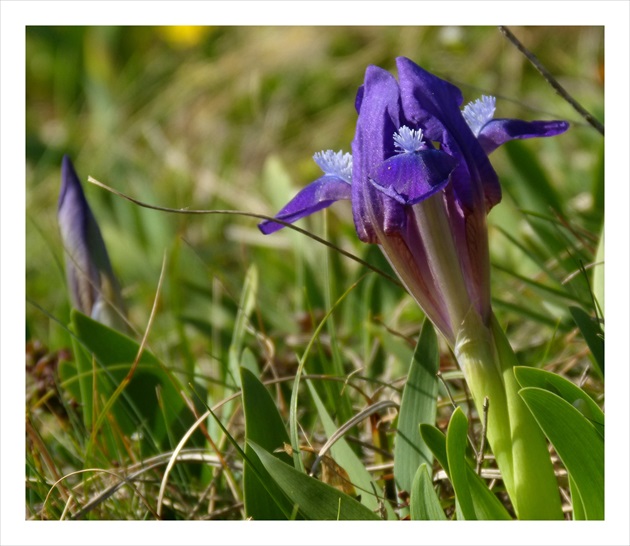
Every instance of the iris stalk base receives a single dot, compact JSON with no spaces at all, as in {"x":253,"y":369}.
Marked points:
{"x":520,"y":449}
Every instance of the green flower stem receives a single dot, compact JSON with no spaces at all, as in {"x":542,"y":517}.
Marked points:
{"x":476,"y":357}
{"x":519,"y":446}
{"x":535,"y":483}
{"x":432,"y":221}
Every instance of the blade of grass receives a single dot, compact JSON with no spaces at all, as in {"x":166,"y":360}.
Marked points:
{"x":245,"y":308}
{"x":418,"y":405}
{"x":293,"y":409}
{"x":543,"y":289}
{"x":535,"y":192}
{"x":593,"y":335}
{"x":525,"y":312}
{"x":542,"y":264}
{"x":343,"y":404}
{"x":127,"y":379}
{"x":576,"y":501}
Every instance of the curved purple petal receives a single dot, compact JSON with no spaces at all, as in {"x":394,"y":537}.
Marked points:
{"x":433,"y":104}
{"x":499,"y":131}
{"x":379,"y":118}
{"x":316,"y":196}
{"x":412,"y":177}
{"x":429,"y":101}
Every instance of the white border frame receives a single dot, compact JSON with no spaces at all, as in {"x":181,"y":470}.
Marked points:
{"x":15,"y":16}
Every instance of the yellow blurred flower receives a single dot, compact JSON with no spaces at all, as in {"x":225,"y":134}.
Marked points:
{"x":183,"y":37}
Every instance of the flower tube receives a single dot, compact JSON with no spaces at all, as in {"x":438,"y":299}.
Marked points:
{"x":421,"y":188}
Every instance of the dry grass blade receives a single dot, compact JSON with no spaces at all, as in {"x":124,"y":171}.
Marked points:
{"x":173,"y":460}
{"x":122,"y":481}
{"x":136,"y":470}
{"x":343,"y":429}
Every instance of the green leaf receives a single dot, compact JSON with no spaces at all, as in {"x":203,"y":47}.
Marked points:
{"x":486,"y":505}
{"x":264,"y":426}
{"x":593,"y":335}
{"x":574,"y":395}
{"x":436,"y":442}
{"x":139,"y":405}
{"x":418,"y":405}
{"x":248,"y":360}
{"x":577,"y":442}
{"x":346,"y":458}
{"x":314,"y":500}
{"x":576,"y":501}
{"x":456,"y":443}
{"x":425,"y":504}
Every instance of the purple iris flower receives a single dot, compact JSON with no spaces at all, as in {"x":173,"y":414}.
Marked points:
{"x":93,"y":288}
{"x":421,"y":186}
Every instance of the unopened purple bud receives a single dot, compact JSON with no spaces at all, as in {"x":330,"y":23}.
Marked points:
{"x":93,"y":287}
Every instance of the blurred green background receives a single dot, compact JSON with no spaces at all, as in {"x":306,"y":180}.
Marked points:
{"x":197,"y":116}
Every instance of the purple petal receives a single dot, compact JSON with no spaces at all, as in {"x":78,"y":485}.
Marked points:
{"x":433,"y":104}
{"x":499,"y":131}
{"x":316,"y":196}
{"x":386,"y":215}
{"x":379,"y":109}
{"x":358,"y":99}
{"x":412,"y":177}
{"x":429,"y":101}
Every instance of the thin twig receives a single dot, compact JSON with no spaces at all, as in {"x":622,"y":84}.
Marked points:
{"x":484,"y":428}
{"x":552,"y":81}
{"x":446,"y":387}
{"x":250,"y":215}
